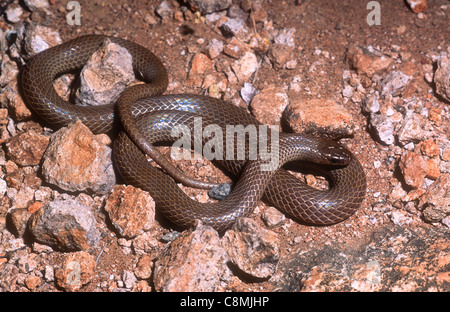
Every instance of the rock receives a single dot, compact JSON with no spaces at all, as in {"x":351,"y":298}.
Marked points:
{"x":194,"y":261}
{"x":417,"y":6}
{"x":234,"y":11}
{"x":245,"y":66}
{"x":347,"y":91}
{"x":37,"y":38}
{"x":258,"y":11}
{"x":383,"y":128}
{"x":314,"y":117}
{"x":442,"y":77}
{"x":27,"y":149}
{"x":32,"y":282}
{"x":150,"y":19}
{"x":14,"y":14}
{"x":4,"y":134}
{"x":8,"y":277}
{"x":19,"y":219}
{"x":394,"y":83}
{"x":144,"y":267}
{"x":165,"y":10}
{"x":248,"y":92}
{"x":21,"y":198}
{"x":268,"y":105}
{"x":36,"y":4}
{"x":235,"y":48}
{"x":76,"y":160}
{"x":429,"y":148}
{"x":404,"y":256}
{"x":130,"y":210}
{"x":399,"y":218}
{"x":214,"y":48}
{"x":285,"y":36}
{"x":252,"y":249}
{"x":9,"y":71}
{"x":65,"y":224}
{"x":281,"y":52}
{"x":272,"y":217}
{"x":233,"y":27}
{"x":76,"y":270}
{"x":106,"y":75}
{"x":435,"y":203}
{"x":414,"y":169}
{"x":367,"y":277}
{"x":201,"y":64}
{"x":435,"y":115}
{"x":367,"y":61}
{"x":16,"y":106}
{"x":414,"y":127}
{"x":129,"y":279}
{"x":281,"y":56}
{"x":209,"y":6}
{"x":146,"y":243}
{"x":3,"y":187}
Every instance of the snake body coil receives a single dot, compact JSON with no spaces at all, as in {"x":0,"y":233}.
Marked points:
{"x":142,"y":110}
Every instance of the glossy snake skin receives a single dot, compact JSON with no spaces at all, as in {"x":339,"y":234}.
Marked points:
{"x":147,"y":117}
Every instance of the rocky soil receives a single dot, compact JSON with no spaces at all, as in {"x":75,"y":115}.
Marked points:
{"x":68,"y":223}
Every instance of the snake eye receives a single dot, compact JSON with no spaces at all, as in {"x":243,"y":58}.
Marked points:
{"x":336,"y":154}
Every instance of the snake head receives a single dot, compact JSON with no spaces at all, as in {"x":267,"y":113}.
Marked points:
{"x":335,"y":153}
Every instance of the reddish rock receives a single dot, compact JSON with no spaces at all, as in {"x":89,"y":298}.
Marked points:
{"x":314,"y":117}
{"x":19,"y":218}
{"x":446,"y":155}
{"x":429,"y":148}
{"x":245,"y":66}
{"x":268,"y":105}
{"x":76,"y":160}
{"x":253,"y":249}
{"x":414,"y":168}
{"x":194,"y":261}
{"x":235,"y":48}
{"x":27,"y":149}
{"x":32,"y":282}
{"x":215,"y":47}
{"x":280,"y":55}
{"x":65,"y":224}
{"x":144,"y":267}
{"x":436,"y":201}
{"x":442,"y":77}
{"x":272,"y":217}
{"x":414,"y":127}
{"x":35,"y":206}
{"x":38,"y":38}
{"x":76,"y":270}
{"x":201,"y":64}
{"x":17,"y":108}
{"x":106,"y":75}
{"x":368,"y":62}
{"x":433,"y":171}
{"x":417,"y":6}
{"x":130,"y":210}
{"x":435,"y":115}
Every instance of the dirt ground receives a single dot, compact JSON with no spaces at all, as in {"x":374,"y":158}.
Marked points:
{"x":324,"y":258}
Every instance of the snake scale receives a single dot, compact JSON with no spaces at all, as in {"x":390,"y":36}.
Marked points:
{"x":147,"y":117}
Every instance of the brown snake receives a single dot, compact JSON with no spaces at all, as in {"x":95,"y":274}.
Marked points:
{"x":282,"y":189}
